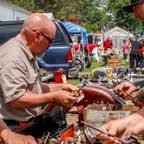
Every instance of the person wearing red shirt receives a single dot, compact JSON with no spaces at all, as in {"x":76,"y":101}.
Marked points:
{"x":107,"y":44}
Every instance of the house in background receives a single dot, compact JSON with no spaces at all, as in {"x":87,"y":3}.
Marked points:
{"x":49,"y":15}
{"x":117,"y":34}
{"x":10,"y":12}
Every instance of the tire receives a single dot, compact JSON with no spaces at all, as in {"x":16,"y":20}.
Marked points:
{"x":79,"y":64}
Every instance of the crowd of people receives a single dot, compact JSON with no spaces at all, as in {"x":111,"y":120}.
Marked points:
{"x":133,"y":52}
{"x":22,"y":93}
{"x":134,"y":123}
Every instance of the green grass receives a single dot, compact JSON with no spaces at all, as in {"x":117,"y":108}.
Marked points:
{"x":86,"y":71}
{"x":93,"y":66}
{"x":124,"y":63}
{"x":73,"y":81}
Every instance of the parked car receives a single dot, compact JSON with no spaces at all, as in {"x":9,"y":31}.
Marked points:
{"x":59,"y":55}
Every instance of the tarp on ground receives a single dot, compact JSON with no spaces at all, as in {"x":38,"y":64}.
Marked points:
{"x":73,"y":28}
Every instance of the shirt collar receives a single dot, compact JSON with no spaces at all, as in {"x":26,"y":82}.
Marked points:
{"x":25,"y":49}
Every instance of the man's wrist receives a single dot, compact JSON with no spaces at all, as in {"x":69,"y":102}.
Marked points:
{"x":51,"y":97}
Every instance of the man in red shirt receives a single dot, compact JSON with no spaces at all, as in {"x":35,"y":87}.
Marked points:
{"x":107,"y":44}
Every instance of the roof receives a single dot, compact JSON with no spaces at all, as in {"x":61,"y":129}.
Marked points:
{"x":117,"y":31}
{"x":14,"y":6}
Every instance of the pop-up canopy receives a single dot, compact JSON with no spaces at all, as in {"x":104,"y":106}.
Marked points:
{"x":73,"y":28}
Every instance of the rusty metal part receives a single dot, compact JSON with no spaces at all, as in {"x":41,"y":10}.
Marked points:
{"x":95,"y":94}
{"x":103,"y":89}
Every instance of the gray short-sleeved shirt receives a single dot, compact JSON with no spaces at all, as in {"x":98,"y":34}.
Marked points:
{"x":18,"y":74}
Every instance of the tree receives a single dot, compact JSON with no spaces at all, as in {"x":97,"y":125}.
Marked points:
{"x":88,"y":13}
{"x":122,"y":18}
{"x":26,"y":4}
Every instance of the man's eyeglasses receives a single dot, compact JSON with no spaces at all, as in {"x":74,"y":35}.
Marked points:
{"x":50,"y":40}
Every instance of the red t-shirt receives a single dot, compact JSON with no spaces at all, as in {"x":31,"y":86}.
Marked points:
{"x":107,"y":44}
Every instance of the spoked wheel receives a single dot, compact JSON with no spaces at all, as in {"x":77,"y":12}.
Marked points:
{"x":79,"y":64}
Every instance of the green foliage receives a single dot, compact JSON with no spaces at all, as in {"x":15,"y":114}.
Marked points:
{"x":88,"y":13}
{"x":26,"y":4}
{"x":123,"y":19}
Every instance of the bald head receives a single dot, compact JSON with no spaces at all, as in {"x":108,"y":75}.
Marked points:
{"x":38,"y":33}
{"x":40,"y":22}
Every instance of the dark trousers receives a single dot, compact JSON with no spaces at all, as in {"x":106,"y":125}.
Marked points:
{"x":12,"y":124}
{"x":52,"y":122}
{"x":105,"y":58}
{"x":134,"y":61}
{"x":125,"y":56}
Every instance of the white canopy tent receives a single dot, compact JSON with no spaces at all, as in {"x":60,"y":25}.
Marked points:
{"x":118,"y":35}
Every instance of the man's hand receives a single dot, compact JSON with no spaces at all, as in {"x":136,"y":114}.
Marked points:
{"x":69,"y":87}
{"x":113,"y":128}
{"x":9,"y":137}
{"x":122,"y":128}
{"x":124,"y":89}
{"x":64,"y":98}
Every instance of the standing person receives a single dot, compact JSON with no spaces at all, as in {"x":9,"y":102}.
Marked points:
{"x":140,"y":53}
{"x":134,"y":123}
{"x":125,"y":47}
{"x":21,"y":91}
{"x":134,"y":54}
{"x":107,"y":44}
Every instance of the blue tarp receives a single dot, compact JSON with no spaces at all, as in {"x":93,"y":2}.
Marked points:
{"x":73,"y":28}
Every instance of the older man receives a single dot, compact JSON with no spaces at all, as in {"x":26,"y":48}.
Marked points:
{"x":21,"y":91}
{"x":134,"y":123}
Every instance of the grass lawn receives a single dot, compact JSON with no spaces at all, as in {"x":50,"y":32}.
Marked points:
{"x":86,"y":70}
{"x":93,"y":66}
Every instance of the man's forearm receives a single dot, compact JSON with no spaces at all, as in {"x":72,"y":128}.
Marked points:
{"x":30,"y":100}
{"x":50,"y":87}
